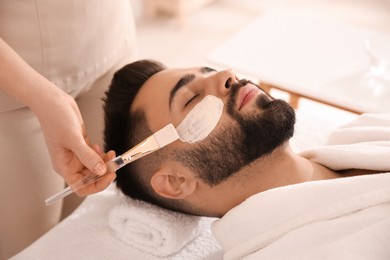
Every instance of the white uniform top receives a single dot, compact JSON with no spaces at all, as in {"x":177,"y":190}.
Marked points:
{"x":70,"y":42}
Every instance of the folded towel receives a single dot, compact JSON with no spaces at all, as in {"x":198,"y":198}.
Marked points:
{"x":152,"y":229}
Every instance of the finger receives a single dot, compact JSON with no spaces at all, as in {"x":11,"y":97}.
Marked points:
{"x":110,"y":155}
{"x":97,"y":186}
{"x":90,"y":159}
{"x":103,"y":181}
{"x":98,"y":149}
{"x":78,"y":170}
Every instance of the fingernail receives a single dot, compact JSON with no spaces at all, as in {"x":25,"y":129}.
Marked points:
{"x":100,"y":169}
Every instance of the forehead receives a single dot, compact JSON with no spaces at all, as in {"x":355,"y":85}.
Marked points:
{"x":153,"y":97}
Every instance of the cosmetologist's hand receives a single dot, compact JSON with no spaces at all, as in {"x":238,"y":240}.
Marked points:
{"x":66,"y":138}
{"x":102,"y":183}
{"x":59,"y":116}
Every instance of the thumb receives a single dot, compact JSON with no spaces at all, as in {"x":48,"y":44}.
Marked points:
{"x":91,"y":159}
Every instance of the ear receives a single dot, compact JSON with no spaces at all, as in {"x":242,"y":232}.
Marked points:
{"x":171,"y":184}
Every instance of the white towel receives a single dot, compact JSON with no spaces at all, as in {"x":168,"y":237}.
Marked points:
{"x":362,"y":144}
{"x":152,"y":229}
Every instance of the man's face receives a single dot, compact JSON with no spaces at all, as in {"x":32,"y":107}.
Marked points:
{"x":252,"y":125}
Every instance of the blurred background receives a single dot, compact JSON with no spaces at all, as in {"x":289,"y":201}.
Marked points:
{"x":185,"y":32}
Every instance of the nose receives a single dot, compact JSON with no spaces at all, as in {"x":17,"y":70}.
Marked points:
{"x":225,"y":79}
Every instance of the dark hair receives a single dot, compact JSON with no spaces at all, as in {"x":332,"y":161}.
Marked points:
{"x":124,"y":129}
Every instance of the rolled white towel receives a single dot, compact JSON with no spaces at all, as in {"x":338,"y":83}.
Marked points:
{"x":152,"y":229}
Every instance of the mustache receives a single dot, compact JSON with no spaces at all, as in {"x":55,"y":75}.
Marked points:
{"x":241,"y":83}
{"x":234,"y":89}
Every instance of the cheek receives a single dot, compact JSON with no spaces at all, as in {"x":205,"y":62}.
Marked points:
{"x":201,"y":120}
{"x":226,"y":123}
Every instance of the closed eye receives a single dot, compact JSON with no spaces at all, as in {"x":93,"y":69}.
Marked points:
{"x":189,"y":101}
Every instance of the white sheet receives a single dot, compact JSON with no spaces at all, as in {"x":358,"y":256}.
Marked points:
{"x":86,"y":234}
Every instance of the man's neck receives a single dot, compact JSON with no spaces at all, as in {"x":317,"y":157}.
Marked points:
{"x":281,"y":168}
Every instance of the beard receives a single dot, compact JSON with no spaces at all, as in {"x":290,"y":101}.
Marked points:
{"x":246,"y":139}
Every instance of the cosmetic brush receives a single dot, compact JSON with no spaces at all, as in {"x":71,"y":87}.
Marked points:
{"x":158,"y":140}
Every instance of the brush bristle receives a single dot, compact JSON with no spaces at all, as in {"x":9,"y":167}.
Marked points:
{"x":166,"y":135}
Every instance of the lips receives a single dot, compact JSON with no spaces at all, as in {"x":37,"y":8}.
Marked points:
{"x":246,"y":94}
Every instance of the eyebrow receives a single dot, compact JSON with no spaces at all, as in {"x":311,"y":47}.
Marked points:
{"x":204,"y":70}
{"x":184,"y":81}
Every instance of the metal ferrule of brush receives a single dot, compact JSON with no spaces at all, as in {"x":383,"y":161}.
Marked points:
{"x":115,"y":164}
{"x":146,"y":147}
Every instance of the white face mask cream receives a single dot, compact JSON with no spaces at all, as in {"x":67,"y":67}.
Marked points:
{"x":201,"y":120}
